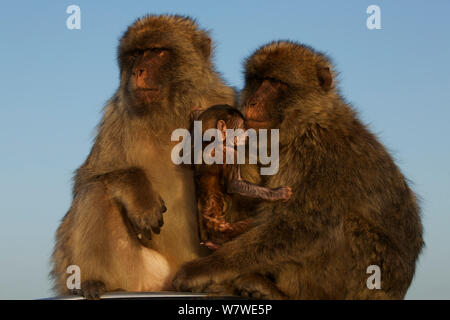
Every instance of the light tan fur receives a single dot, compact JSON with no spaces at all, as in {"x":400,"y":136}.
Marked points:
{"x":129,"y":172}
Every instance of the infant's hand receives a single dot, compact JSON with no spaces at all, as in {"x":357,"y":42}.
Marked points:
{"x":285,"y":193}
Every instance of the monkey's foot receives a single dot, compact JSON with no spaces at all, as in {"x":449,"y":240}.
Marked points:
{"x":219,"y":289}
{"x":256,"y":286}
{"x":92,"y":289}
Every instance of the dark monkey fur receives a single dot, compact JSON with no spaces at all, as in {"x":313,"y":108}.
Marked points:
{"x":351,"y":206}
{"x":214,"y":181}
{"x":115,"y":230}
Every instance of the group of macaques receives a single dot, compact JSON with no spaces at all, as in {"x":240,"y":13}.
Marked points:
{"x":139,"y":222}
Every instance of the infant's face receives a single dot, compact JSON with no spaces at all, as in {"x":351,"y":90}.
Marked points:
{"x":241,"y":136}
{"x":240,"y":139}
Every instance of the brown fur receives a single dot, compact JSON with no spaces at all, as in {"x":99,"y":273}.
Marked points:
{"x":214,"y":181}
{"x":351,"y":206}
{"x":120,"y":190}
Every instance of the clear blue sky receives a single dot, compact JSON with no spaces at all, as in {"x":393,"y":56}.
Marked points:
{"x":54,"y":82}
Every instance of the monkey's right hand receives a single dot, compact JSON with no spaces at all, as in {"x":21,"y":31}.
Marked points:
{"x":143,"y":205}
{"x":283,"y":193}
{"x":145,"y":213}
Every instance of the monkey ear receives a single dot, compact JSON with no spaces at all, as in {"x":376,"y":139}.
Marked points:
{"x":204,"y":44}
{"x":325,"y":77}
{"x":222,"y":127}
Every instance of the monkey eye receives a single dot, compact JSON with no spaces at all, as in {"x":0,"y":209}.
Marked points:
{"x":282,"y":85}
{"x":273,"y":80}
{"x":136,"y":53}
{"x":159,"y":51}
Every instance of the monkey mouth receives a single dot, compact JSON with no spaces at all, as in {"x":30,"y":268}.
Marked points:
{"x":147,"y":92}
{"x":147,"y":95}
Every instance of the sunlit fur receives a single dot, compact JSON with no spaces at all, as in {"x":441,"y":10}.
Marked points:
{"x":130,"y":160}
{"x":351,"y":206}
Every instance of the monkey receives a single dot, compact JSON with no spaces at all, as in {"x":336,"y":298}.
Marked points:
{"x":351,"y":206}
{"x":132,"y":221}
{"x":213,"y":181}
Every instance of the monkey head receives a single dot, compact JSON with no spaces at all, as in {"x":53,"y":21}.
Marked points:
{"x":221,"y":118}
{"x":285,"y":81}
{"x":160,"y":59}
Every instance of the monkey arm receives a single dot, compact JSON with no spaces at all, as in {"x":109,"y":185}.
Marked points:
{"x":247,"y":189}
{"x":143,"y":206}
{"x":256,"y":247}
{"x":210,"y":199}
{"x":244,"y":188}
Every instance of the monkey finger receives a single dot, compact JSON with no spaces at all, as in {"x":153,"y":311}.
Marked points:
{"x":287,"y":193}
{"x":140,"y":232}
{"x":163,"y":205}
{"x":93,"y":289}
{"x":156,"y":230}
{"x":155,"y":220}
{"x":143,"y":234}
{"x":147,"y":234}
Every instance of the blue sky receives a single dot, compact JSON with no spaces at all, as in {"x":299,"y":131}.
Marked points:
{"x":54,"y":82}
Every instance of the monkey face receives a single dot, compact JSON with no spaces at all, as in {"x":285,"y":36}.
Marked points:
{"x":259,"y":109}
{"x":146,"y":82}
{"x":282,"y":78}
{"x":161,"y":58}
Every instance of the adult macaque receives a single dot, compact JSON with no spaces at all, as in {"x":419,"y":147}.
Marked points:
{"x":213,"y":181}
{"x":115,"y":230}
{"x":351,"y":206}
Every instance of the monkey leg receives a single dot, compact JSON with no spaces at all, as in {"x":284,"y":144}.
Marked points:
{"x":246,"y":251}
{"x":370,"y":247}
{"x":258,"y":251}
{"x":96,"y":236}
{"x":211,"y":204}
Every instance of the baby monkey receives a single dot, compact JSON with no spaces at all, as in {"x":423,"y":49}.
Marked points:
{"x":213,"y":181}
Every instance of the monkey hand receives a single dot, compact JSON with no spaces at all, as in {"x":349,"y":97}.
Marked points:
{"x":196,"y":275}
{"x":284,"y":193}
{"x":147,"y":216}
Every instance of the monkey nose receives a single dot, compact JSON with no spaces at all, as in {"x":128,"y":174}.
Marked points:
{"x":138,"y":72}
